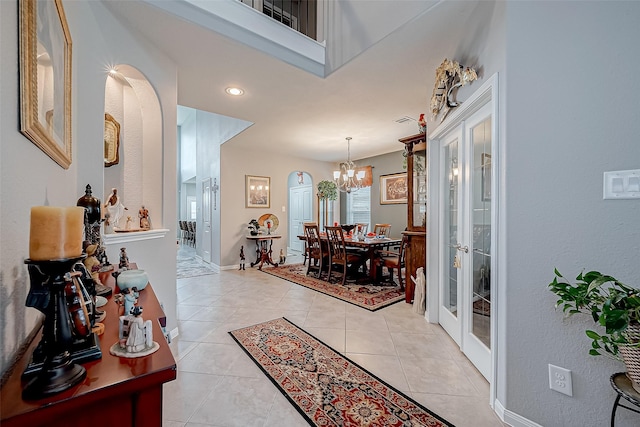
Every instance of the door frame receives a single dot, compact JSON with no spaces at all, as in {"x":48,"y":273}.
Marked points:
{"x":486,"y":94}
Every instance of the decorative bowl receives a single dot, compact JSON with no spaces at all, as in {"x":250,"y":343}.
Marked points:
{"x":348,"y":227}
{"x":132,"y":279}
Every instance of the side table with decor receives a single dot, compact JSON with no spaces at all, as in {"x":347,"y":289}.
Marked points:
{"x":622,"y":385}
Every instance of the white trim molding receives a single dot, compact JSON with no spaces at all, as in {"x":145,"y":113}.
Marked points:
{"x":134,"y":236}
{"x":511,"y":418}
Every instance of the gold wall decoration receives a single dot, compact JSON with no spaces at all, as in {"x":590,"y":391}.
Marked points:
{"x":111,"y":141}
{"x":45,"y":78}
{"x":450,"y":75}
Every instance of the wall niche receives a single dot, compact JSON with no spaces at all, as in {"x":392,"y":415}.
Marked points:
{"x":133,"y":116}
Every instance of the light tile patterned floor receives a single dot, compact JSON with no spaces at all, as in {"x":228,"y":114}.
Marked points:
{"x":218,"y":385}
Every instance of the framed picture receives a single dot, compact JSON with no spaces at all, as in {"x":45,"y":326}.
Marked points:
{"x":45,"y":78}
{"x":486,"y":177}
{"x":393,"y":188}
{"x":111,"y":141}
{"x":257,"y":191}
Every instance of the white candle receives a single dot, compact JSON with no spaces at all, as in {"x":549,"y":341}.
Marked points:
{"x":56,"y":232}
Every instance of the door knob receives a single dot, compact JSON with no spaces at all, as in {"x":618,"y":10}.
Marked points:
{"x":461,"y":248}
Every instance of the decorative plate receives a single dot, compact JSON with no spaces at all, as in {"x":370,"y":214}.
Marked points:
{"x":274,"y":221}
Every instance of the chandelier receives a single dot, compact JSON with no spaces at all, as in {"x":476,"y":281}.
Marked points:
{"x":346,"y":179}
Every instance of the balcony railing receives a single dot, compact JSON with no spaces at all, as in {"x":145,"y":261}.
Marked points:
{"x":300,"y":15}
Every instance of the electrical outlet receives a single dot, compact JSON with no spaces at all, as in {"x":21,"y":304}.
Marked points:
{"x":560,"y":380}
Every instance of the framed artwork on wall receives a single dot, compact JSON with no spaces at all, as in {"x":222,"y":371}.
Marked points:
{"x":111,"y":141}
{"x":393,"y":188}
{"x":45,"y":78}
{"x":257,"y":191}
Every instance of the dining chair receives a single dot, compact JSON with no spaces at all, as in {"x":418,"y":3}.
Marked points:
{"x":382,"y":230}
{"x":338,"y":254}
{"x":362,"y":227}
{"x":315,"y":251}
{"x":392,"y":261}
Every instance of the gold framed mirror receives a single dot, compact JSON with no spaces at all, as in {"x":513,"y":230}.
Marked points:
{"x":111,"y":141}
{"x":45,"y":78}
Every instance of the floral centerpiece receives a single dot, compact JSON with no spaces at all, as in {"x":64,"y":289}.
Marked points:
{"x":254,"y":227}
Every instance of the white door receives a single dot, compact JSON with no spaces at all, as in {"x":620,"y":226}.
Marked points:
{"x":466,"y":230}
{"x":205,"y":235}
{"x":300,"y":211}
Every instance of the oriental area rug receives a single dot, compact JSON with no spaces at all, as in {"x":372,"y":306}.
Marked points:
{"x":324,"y":386}
{"x":368,"y":296}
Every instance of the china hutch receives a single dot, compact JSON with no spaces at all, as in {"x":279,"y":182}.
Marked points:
{"x":416,"y":154}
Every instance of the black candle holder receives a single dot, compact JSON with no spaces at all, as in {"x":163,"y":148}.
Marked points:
{"x":58,"y":372}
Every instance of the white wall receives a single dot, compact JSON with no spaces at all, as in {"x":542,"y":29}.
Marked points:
{"x":28,"y":177}
{"x":571,"y":113}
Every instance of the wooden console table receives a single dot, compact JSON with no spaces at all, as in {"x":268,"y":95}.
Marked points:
{"x":264,"y":242}
{"x":116,"y":391}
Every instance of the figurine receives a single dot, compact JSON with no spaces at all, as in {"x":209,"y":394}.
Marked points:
{"x":92,"y":264}
{"x":241,"y":258}
{"x":283,"y":258}
{"x":124,"y":259}
{"x":422,"y":124}
{"x":135,"y":334}
{"x":108,"y":227}
{"x":114,"y":207}
{"x":129,"y":301}
{"x":127,"y":225}
{"x":143,"y":214}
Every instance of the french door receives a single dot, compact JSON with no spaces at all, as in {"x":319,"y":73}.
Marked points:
{"x":466,"y":229}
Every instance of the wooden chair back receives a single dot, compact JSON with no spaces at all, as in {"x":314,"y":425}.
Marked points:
{"x":314,"y":250}
{"x":362,"y":227}
{"x":382,"y":230}
{"x":337,"y":250}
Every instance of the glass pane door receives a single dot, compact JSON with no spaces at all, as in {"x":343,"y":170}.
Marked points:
{"x":450,"y":271}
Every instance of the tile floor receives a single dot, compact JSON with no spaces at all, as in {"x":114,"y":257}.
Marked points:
{"x":218,"y":385}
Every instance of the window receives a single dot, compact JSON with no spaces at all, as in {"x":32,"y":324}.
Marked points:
{"x":359,"y":206}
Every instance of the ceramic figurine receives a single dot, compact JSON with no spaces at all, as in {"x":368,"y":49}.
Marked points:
{"x":143,"y":214}
{"x":241,"y":267}
{"x":422,"y":124}
{"x":135,"y":334}
{"x":108,"y":226}
{"x":92,"y":264}
{"x":129,"y":301}
{"x":124,"y":259}
{"x":115,"y":207}
{"x":283,"y":258}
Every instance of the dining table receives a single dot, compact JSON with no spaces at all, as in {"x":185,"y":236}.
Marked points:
{"x":371,"y":245}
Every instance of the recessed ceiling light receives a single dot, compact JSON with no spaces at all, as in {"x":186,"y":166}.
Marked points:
{"x":235,"y":91}
{"x":113,"y":71}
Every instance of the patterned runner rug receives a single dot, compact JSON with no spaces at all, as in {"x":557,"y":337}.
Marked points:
{"x":371,"y":297}
{"x":324,"y":386}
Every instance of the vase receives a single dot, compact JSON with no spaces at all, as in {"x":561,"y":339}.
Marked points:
{"x":631,"y":355}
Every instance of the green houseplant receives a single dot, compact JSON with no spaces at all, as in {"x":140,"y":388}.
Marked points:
{"x":612,"y":305}
{"x":327,"y":190}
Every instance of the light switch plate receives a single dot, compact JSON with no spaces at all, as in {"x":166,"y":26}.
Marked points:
{"x":622,"y":184}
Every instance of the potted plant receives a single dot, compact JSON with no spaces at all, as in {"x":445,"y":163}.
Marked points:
{"x":327,"y":190}
{"x":613,"y":306}
{"x":254,"y":227}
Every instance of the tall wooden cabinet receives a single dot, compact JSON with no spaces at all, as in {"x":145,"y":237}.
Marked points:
{"x":416,"y":154}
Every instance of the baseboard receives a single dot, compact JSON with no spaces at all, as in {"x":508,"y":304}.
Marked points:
{"x":512,"y":418}
{"x":232,"y":267}
{"x":174,"y":333}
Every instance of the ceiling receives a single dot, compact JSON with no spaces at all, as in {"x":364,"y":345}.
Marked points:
{"x":302,"y":115}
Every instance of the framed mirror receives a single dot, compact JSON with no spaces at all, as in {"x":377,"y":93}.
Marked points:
{"x":45,"y":78}
{"x":111,"y":141}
